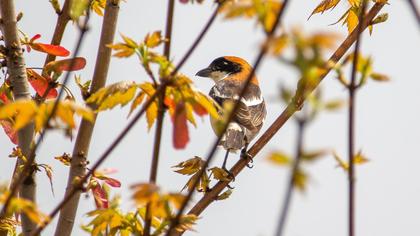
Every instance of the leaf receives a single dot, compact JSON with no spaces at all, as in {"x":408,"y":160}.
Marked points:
{"x":119,"y":93}
{"x":21,"y":205}
{"x":206,"y":103}
{"x":334,"y":105}
{"x":145,"y":193}
{"x":154,"y":39}
{"x":151,"y":114}
{"x":186,"y":222}
{"x":100,"y":196}
{"x":313,"y":155}
{"x":41,"y":84}
{"x":379,"y":77}
{"x":354,"y":3}
{"x":351,"y":20}
{"x":137,"y":101}
{"x":112,"y":182}
{"x":323,"y":6}
{"x":10,"y":132}
{"x":78,"y":8}
{"x":65,"y":159}
{"x":358,"y":159}
{"x":55,"y":50}
{"x":300,"y":180}
{"x":189,"y":166}
{"x":71,"y":64}
{"x":180,"y":129}
{"x":279,"y":158}
{"x":278,"y":44}
{"x":220,"y":174}
{"x":225,"y":195}
{"x":48,"y":171}
{"x":22,"y":111}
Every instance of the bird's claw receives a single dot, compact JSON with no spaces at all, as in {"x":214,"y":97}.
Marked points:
{"x":248,"y":157}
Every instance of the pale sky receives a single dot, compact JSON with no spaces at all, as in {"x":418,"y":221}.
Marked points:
{"x":387,"y":131}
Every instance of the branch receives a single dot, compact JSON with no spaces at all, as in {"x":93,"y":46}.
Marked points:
{"x":171,"y":231}
{"x":291,"y":183}
{"x":161,"y":113}
{"x":211,"y":196}
{"x":352,"y":88}
{"x":17,"y":71}
{"x":26,"y":169}
{"x":415,"y":10}
{"x":81,"y":147}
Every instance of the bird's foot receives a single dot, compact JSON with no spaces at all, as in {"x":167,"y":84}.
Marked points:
{"x":245,"y":155}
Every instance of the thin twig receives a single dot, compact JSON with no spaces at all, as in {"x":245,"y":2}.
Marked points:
{"x":83,"y":139}
{"x":26,"y":170}
{"x":352,"y":88}
{"x":211,"y":196}
{"x":161,"y":113}
{"x":260,"y":57}
{"x":292,"y":178}
{"x":415,"y":11}
{"x":79,"y":185}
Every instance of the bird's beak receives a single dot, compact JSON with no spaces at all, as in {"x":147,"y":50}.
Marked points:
{"x":204,"y":72}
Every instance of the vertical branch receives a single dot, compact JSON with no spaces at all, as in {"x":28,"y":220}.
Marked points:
{"x":160,"y":115}
{"x":81,"y":147}
{"x":60,"y":27}
{"x":415,"y":10}
{"x":17,"y":71}
{"x":351,"y":120}
{"x":292,"y":178}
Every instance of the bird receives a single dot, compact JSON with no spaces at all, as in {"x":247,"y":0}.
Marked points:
{"x":230,"y":74}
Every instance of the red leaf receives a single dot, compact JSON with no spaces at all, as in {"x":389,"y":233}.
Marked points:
{"x":199,"y":110}
{"x":10,"y":132}
{"x":112,"y":182}
{"x":4,"y":98}
{"x":101,"y":198}
{"x":36,"y":36}
{"x":55,"y":50}
{"x":65,"y":65}
{"x":40,"y":84}
{"x":180,"y":133}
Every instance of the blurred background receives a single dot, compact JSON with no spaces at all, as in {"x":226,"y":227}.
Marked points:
{"x":388,"y":130}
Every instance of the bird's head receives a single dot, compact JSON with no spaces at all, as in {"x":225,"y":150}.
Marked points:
{"x":227,"y":67}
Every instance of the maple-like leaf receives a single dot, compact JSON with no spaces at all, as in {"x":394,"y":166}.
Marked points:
{"x":324,"y":5}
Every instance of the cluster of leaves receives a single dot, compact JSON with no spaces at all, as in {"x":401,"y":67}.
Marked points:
{"x":181,"y":98}
{"x":364,"y":71}
{"x":192,"y":167}
{"x":16,"y":114}
{"x":265,"y":11}
{"x":16,"y":207}
{"x":351,"y":17}
{"x":99,"y":184}
{"x":160,"y":206}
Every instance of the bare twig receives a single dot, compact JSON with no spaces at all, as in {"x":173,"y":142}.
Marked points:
{"x":211,"y":196}
{"x":17,"y":71}
{"x":171,"y":231}
{"x":292,"y":178}
{"x":27,"y":168}
{"x":415,"y":11}
{"x":81,"y":147}
{"x":352,"y":88}
{"x":161,"y":113}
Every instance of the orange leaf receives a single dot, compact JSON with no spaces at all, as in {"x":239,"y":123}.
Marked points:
{"x":180,"y":133}
{"x":10,"y":132}
{"x":55,"y":50}
{"x":199,"y":110}
{"x":3,"y":98}
{"x":66,"y":65}
{"x":40,"y":84}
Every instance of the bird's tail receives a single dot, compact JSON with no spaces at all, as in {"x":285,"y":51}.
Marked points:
{"x":234,"y":138}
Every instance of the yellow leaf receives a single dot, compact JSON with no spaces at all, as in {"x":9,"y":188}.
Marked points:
{"x":208,"y":104}
{"x":278,"y":44}
{"x":137,"y":101}
{"x":226,"y":194}
{"x":189,"y":166}
{"x":279,"y":158}
{"x":22,"y":111}
{"x":119,"y":93}
{"x":300,"y":180}
{"x":145,"y":193}
{"x":154,"y":39}
{"x":379,"y":77}
{"x":352,"y":20}
{"x":151,"y":114}
{"x":354,"y":3}
{"x":324,"y":5}
{"x":220,"y":174}
{"x":186,"y":222}
{"x":176,"y":199}
{"x":189,"y":114}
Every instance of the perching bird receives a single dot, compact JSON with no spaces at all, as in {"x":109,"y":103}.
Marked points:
{"x":230,"y":74}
